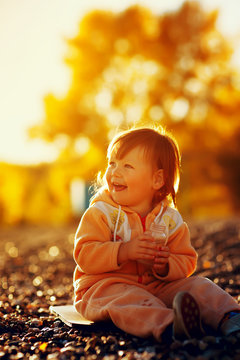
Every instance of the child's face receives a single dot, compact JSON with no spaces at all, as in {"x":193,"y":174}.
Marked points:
{"x":132,"y":181}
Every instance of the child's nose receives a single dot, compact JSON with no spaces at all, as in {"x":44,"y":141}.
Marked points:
{"x":116,"y":171}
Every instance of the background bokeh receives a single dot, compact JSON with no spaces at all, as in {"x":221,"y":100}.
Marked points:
{"x":133,"y":67}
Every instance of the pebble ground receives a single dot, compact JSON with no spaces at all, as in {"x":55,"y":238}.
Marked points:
{"x":36,"y":269}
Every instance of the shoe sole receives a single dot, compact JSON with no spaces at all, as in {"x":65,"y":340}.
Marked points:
{"x":187,"y":320}
{"x":231,"y":325}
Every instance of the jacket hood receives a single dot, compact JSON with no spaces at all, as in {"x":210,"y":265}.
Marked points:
{"x":104,"y":195}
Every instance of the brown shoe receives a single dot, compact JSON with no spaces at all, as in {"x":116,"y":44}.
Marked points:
{"x":187,"y":319}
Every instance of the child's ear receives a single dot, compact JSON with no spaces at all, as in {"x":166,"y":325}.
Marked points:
{"x":158,"y":179}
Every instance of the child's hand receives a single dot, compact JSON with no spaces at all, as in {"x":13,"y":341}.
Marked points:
{"x":161,"y":261}
{"x":143,"y":247}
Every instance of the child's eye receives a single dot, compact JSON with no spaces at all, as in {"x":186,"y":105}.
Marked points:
{"x":128,"y":166}
{"x":111,"y":163}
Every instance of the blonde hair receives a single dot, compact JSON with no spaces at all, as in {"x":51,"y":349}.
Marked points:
{"x":160,"y":148}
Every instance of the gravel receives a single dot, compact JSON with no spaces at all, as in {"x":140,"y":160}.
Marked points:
{"x":36,"y":268}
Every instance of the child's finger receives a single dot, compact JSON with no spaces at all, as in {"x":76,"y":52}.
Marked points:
{"x":147,"y":237}
{"x":148,"y":244}
{"x":161,"y":253}
{"x":159,"y":261}
{"x":150,"y":252}
{"x":147,"y":257}
{"x":160,"y":256}
{"x":164,"y":248}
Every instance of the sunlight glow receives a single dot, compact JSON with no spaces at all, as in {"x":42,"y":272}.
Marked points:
{"x":179,"y":109}
{"x":194,"y":86}
{"x":134,"y":113}
{"x":103,"y":100}
{"x":77,"y":194}
{"x":156,"y":113}
{"x":122,"y":46}
{"x":33,"y":42}
{"x":198,"y":112}
{"x":17,"y":148}
{"x":82,"y":145}
{"x":115,"y":117}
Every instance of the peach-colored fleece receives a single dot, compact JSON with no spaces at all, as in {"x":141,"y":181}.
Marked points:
{"x":96,"y":252}
{"x":132,"y":295}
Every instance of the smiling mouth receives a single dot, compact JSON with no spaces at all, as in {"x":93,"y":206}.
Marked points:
{"x":118,"y":187}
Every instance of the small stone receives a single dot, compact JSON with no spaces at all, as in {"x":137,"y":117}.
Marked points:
{"x":192,"y":342}
{"x":231,"y":339}
{"x":176,"y":345}
{"x":36,"y":323}
{"x":34,"y":357}
{"x":68,"y":349}
{"x":57,"y":324}
{"x":202,"y":345}
{"x":111,"y":340}
{"x":17,"y":356}
{"x":53,"y":356}
{"x":209,"y":339}
{"x":13,"y":350}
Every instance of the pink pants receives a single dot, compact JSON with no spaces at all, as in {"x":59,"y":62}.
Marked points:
{"x":145,"y":310}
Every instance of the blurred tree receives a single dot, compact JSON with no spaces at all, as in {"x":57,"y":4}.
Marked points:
{"x":138,"y":68}
{"x":30,"y":194}
{"x":229,"y":158}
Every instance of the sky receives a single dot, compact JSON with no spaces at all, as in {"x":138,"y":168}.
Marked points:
{"x":33,"y":37}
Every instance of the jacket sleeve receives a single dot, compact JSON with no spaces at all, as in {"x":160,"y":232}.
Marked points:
{"x":183,"y":257}
{"x":94,"y":252}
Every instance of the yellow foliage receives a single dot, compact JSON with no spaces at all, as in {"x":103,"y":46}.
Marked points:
{"x":137,"y":68}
